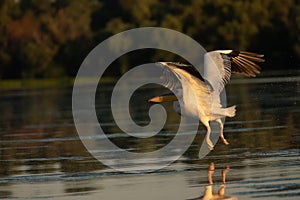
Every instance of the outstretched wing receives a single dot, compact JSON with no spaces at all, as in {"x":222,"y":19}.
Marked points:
{"x":196,"y":93}
{"x":220,"y":64}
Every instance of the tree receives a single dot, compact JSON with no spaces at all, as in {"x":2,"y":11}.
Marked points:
{"x":50,"y":38}
{"x":41,"y":31}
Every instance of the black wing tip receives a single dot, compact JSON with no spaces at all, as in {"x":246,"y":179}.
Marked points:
{"x":190,"y":69}
{"x":246,"y":62}
{"x":260,"y":57}
{"x":175,"y":64}
{"x":254,"y":57}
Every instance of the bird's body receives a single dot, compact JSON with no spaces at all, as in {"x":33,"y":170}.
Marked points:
{"x":199,"y":96}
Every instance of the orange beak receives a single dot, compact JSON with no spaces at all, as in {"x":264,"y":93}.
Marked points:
{"x":163,"y":98}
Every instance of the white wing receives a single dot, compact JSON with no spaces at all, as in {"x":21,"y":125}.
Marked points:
{"x":218,"y":66}
{"x":196,"y":94}
{"x":171,"y":81}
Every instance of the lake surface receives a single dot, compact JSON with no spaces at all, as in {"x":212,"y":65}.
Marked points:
{"x":42,"y":157}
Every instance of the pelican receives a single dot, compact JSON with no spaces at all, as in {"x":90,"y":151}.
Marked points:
{"x":199,"y":96}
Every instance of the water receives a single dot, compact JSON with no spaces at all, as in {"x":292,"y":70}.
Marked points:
{"x":41,"y":156}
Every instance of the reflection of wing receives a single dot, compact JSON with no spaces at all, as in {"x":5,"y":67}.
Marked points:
{"x":218,"y":66}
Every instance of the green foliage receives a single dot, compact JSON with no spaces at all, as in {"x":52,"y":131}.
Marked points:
{"x":50,"y":38}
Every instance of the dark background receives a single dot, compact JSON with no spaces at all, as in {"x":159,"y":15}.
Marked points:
{"x":50,"y":38}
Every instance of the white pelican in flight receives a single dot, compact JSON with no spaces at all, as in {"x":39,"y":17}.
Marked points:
{"x":204,"y":101}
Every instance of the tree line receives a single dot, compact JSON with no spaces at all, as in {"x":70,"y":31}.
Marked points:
{"x":50,"y":38}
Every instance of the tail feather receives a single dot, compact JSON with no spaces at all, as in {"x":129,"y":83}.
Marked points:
{"x":230,"y":111}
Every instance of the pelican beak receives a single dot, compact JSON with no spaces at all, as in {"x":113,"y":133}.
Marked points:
{"x":163,"y":98}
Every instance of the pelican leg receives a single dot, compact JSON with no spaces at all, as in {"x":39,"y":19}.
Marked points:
{"x":221,"y":132}
{"x":207,"y":137}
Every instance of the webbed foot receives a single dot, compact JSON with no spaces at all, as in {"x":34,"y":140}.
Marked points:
{"x":224,"y":141}
{"x":210,"y":144}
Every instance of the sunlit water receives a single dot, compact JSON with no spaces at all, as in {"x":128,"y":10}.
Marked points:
{"x":41,"y":156}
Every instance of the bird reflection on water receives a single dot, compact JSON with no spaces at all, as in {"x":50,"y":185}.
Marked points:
{"x":209,"y":194}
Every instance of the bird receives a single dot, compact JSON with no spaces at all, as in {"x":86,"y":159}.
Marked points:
{"x":198,"y":96}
